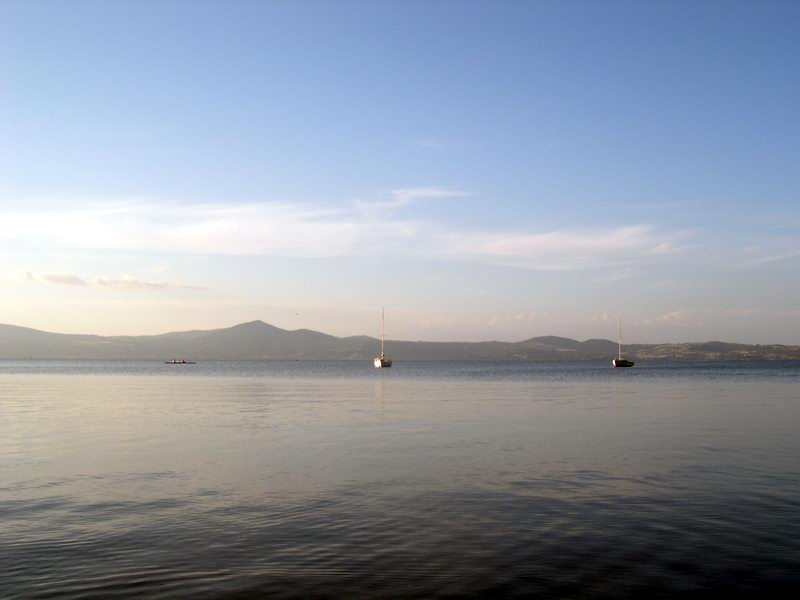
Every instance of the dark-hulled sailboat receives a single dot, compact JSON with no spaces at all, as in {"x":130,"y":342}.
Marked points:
{"x":621,"y":361}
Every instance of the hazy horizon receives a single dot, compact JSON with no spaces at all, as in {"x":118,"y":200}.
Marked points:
{"x":484,"y":171}
{"x":377,"y":337}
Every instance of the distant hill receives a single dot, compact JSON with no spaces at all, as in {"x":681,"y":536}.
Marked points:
{"x":257,"y":340}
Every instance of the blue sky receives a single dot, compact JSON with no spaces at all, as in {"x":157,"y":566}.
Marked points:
{"x":485,"y":170}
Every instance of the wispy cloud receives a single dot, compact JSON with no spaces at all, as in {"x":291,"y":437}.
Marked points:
{"x":433,"y":144}
{"x":678,"y":316}
{"x":406,"y":196}
{"x":641,"y":206}
{"x":146,"y":226}
{"x":124,"y":283}
{"x":57,"y":278}
{"x":311,"y":231}
{"x":129,"y":283}
{"x":523,"y":317}
{"x":692,"y":317}
{"x":773,"y":258}
{"x":565,"y":250}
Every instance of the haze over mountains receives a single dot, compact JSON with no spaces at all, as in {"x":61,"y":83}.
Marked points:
{"x":257,"y":340}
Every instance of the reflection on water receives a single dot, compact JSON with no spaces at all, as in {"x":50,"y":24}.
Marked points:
{"x":235,"y":483}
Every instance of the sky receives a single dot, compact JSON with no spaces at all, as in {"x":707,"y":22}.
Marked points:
{"x":484,"y":170}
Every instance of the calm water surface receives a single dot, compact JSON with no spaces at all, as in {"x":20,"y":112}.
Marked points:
{"x":448,"y":480}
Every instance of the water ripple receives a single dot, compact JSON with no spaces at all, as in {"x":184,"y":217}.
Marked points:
{"x":243,"y":488}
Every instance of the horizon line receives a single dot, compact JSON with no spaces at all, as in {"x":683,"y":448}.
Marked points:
{"x":393,"y":340}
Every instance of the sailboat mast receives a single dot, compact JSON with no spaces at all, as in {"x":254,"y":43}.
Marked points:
{"x":382,"y":330}
{"x":619,"y":353}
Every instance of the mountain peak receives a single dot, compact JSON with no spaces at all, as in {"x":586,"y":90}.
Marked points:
{"x":257,"y":324}
{"x":552,"y":340}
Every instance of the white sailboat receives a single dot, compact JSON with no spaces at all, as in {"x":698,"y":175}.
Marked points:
{"x":381,"y":362}
{"x":621,"y":361}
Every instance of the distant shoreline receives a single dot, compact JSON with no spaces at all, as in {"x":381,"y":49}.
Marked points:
{"x":641,"y":362}
{"x":259,"y":341}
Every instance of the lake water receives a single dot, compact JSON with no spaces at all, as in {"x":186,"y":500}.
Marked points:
{"x":427,"y":480}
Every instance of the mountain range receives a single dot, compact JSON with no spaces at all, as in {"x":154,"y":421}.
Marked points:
{"x":257,"y":340}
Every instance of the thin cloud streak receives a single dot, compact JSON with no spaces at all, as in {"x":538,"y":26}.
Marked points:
{"x":307,"y":231}
{"x":58,"y":278}
{"x":764,"y":260}
{"x":685,"y":317}
{"x":570,"y":250}
{"x":247,"y":229}
{"x":127,"y":283}
{"x":639,"y":207}
{"x":407,"y":196}
{"x":124,"y":283}
{"x":524,"y":317}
